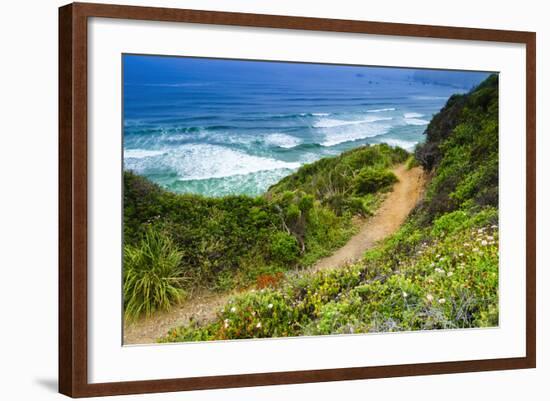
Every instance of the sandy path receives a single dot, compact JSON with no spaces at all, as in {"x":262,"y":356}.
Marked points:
{"x":202,"y":307}
{"x":387,"y":219}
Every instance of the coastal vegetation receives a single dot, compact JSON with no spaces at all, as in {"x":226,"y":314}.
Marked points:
{"x":221,"y":243}
{"x":438,"y":271}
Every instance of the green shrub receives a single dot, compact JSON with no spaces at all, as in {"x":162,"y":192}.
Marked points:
{"x":371,"y":180}
{"x":284,"y":248}
{"x":152,"y":275}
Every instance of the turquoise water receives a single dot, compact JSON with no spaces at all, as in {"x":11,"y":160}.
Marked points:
{"x":219,"y":127}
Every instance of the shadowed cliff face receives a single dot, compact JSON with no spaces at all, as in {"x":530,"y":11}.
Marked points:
{"x":461,"y":152}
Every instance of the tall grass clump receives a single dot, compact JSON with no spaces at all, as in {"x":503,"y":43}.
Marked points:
{"x":152,"y":275}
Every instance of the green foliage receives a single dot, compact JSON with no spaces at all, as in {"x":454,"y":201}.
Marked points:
{"x":417,"y":280}
{"x":371,"y":180}
{"x":462,"y":148}
{"x":152,"y":275}
{"x":411,"y":162}
{"x":333,"y":176}
{"x":284,"y":248}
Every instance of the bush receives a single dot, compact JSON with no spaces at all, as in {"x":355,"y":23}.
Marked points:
{"x":371,"y":180}
{"x":152,"y":275}
{"x":284,"y":248}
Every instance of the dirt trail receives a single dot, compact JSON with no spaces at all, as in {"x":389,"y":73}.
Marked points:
{"x":387,"y":219}
{"x":203,"y":306}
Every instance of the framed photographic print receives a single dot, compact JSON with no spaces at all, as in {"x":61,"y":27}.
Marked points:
{"x":253,"y":200}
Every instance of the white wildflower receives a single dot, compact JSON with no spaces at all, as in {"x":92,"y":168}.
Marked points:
{"x":430,"y":297}
{"x":441,"y":300}
{"x":233,"y":309}
{"x":449,"y":274}
{"x":270,"y":306}
{"x":405,"y":295}
{"x":226,"y":323}
{"x":484,"y":243}
{"x":475,"y":249}
{"x":259,"y":325}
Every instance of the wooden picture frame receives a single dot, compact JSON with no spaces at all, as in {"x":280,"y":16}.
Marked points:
{"x":73,"y":198}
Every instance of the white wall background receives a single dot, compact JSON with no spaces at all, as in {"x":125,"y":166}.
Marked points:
{"x":28,"y":199}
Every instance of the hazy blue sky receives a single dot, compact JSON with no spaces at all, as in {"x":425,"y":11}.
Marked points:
{"x":159,"y":69}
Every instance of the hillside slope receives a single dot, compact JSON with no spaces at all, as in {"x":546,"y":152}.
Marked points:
{"x":178,"y":243}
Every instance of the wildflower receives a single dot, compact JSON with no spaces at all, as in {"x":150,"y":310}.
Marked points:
{"x":430,"y":281}
{"x":480,"y":230}
{"x":490,"y":238}
{"x":253,"y":313}
{"x":270,"y":306}
{"x":430,"y":297}
{"x":441,"y":300}
{"x":466,"y":244}
{"x":439,"y":270}
{"x":438,"y":255}
{"x":484,"y":243}
{"x":226,"y":323}
{"x":449,"y":274}
{"x":405,"y":295}
{"x":259,"y":325}
{"x":432,"y":265}
{"x":460,"y":254}
{"x":475,"y":249}
{"x":233,"y":309}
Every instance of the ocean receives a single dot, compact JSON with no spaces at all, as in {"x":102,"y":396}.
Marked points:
{"x":219,"y":127}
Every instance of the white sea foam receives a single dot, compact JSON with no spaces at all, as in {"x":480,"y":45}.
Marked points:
{"x":413,"y":115}
{"x":204,"y":161}
{"x":381,"y":110}
{"x":408,"y":145}
{"x":320,"y":114}
{"x":282,"y":140}
{"x":367,"y":131}
{"x":416,"y":121}
{"x":141,"y":153}
{"x":331,"y":122}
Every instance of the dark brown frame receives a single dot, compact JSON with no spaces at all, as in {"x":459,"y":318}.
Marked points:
{"x":73,"y":358}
